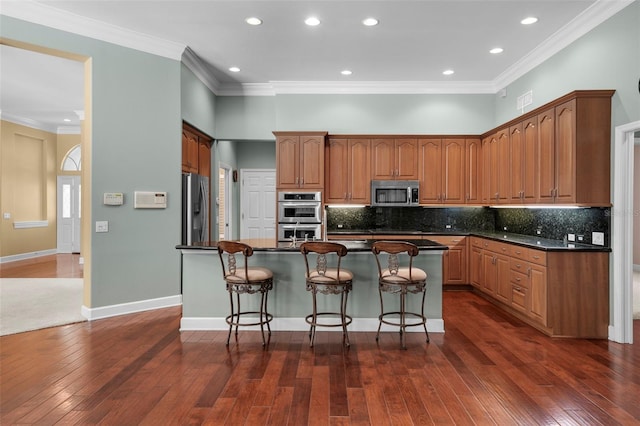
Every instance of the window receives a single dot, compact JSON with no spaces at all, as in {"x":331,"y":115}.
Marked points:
{"x":72,"y":161}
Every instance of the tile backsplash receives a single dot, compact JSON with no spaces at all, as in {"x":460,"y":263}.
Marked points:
{"x":553,"y":223}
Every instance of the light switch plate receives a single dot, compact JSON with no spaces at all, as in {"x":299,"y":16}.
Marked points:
{"x":102,"y":226}
{"x":597,"y":238}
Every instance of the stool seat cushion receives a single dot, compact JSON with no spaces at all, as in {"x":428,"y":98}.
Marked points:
{"x":330,"y":276}
{"x":402,"y":276}
{"x":254,"y":274}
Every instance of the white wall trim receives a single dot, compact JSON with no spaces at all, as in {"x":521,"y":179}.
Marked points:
{"x":27,"y":224}
{"x":24,"y":256}
{"x":130,"y":308}
{"x":434,"y":325}
{"x":621,"y":329}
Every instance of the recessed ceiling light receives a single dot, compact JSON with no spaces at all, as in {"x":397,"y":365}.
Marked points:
{"x":253,"y":21}
{"x":234,"y":69}
{"x":496,"y":50}
{"x":447,"y":72}
{"x":312,"y":21}
{"x":346,"y":72}
{"x":370,"y":22}
{"x":529,"y":20}
{"x":66,"y":120}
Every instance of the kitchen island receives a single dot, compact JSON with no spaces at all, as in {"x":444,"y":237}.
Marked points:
{"x":205,"y":301}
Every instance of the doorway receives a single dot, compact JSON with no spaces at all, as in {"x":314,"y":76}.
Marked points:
{"x":224,"y":202}
{"x":258,"y":203}
{"x":621,"y":328}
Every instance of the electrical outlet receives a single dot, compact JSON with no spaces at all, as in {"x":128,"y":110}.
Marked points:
{"x":571,"y":237}
{"x":597,"y":238}
{"x":580,"y":237}
{"x":340,"y":226}
{"x":448,"y":226}
{"x":102,"y":226}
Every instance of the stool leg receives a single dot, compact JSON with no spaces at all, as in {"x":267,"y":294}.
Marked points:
{"x":403,"y":327}
{"x":239,"y":310}
{"x":262,"y":317}
{"x":343,"y":309}
{"x":381,"y":313}
{"x":266,"y":314}
{"x":424,"y":319}
{"x":314,"y":319}
{"x":230,"y":317}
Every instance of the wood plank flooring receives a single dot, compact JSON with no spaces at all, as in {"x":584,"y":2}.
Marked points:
{"x":488,"y":368}
{"x":52,"y":266}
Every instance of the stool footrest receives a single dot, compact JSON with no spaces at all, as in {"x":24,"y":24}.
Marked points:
{"x":239,"y":315}
{"x":423,"y":319}
{"x":347,"y":319}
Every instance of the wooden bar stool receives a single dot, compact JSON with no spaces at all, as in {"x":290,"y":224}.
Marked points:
{"x":245,"y":280}
{"x":327,"y":280}
{"x":396,"y":279}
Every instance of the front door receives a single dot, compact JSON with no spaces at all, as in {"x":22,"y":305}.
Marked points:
{"x":68,"y":222}
{"x":258,"y":209}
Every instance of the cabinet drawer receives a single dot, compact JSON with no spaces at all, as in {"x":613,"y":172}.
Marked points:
{"x":519,"y":265}
{"x":518,"y":279}
{"x":496,"y":246}
{"x":519,"y":252}
{"x":519,"y":298}
{"x":477,"y":242}
{"x":448,"y":240}
{"x":538,"y":256}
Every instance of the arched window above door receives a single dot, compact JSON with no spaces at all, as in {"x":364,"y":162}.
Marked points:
{"x":72,"y":161}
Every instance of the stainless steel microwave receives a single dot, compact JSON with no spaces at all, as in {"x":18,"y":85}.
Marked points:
{"x":395,"y":193}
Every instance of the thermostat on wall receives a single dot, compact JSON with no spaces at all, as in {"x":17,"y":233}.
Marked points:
{"x":149,"y":200}
{"x":113,"y":198}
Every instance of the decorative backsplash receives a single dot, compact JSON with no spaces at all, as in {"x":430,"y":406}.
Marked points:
{"x":553,"y":223}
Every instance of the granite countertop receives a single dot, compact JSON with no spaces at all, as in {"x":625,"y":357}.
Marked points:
{"x":271,"y":245}
{"x":523,"y":240}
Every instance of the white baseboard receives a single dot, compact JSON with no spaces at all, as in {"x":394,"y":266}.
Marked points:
{"x":24,"y":256}
{"x":131,"y":307}
{"x":434,"y":325}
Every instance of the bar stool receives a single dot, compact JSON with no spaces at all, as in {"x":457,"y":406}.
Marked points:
{"x":396,"y":279}
{"x":328,"y":281}
{"x":245,"y":280}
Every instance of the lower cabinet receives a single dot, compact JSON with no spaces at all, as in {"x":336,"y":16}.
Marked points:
{"x":454,"y":267}
{"x":561,"y":293}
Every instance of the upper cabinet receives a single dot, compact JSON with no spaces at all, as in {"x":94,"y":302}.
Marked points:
{"x":394,"y":159}
{"x":348,"y":171}
{"x":441,"y":171}
{"x":495,"y":168}
{"x":300,"y":160}
{"x":523,"y":139}
{"x":196,"y":151}
{"x":472,"y":168}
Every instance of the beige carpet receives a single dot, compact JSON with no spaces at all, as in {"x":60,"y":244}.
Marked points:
{"x":34,"y":303}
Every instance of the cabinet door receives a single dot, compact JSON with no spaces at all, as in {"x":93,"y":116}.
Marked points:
{"x":287,"y":161}
{"x":337,"y":175}
{"x":189,"y":152}
{"x":359,"y":171}
{"x":430,"y":171}
{"x":382,"y":159}
{"x":538,"y":293}
{"x":475,"y":267}
{"x":453,"y":161}
{"x":494,"y":165}
{"x":529,"y":162}
{"x":503,"y":167}
{"x":455,"y":262}
{"x":516,"y":156}
{"x":406,"y":159}
{"x":503,"y":283}
{"x":487,"y":171}
{"x":489,"y":272}
{"x":204,"y":158}
{"x":566,"y":152}
{"x":473,"y":176}
{"x":311,"y":155}
{"x":546,"y":157}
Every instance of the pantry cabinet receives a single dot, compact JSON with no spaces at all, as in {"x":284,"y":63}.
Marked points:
{"x":348,"y":171}
{"x":300,"y":160}
{"x":394,"y":159}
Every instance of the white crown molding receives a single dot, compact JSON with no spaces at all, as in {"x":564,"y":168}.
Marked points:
{"x":197,"y":66}
{"x":38,"y":13}
{"x":590,"y":18}
{"x":38,"y":125}
{"x":68,"y":130}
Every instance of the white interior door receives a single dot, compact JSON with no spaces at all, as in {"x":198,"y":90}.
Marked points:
{"x":224,"y":202}
{"x":68,"y":222}
{"x":258,"y":204}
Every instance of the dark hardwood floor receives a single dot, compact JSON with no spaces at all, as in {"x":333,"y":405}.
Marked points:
{"x":488,"y":368}
{"x":52,"y":266}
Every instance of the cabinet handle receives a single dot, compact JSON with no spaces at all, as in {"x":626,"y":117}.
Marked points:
{"x":529,"y":272}
{"x":518,"y":279}
{"x":517,"y":288}
{"x":345,"y":196}
{"x":455,"y":241}
{"x":518,"y":265}
{"x":301,"y":181}
{"x":536,"y":257}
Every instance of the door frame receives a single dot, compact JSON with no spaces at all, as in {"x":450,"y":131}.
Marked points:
{"x":621,"y":327}
{"x":228,"y":201}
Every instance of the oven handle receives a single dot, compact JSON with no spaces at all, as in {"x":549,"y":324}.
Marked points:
{"x":299,"y":204}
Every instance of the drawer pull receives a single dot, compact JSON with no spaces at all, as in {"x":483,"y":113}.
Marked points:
{"x":518,"y":279}
{"x":536,"y":257}
{"x":518,"y":265}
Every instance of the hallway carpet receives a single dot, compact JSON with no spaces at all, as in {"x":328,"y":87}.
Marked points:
{"x":33,"y":303}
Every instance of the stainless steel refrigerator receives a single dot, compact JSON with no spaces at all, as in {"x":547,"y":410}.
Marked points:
{"x":195,"y":208}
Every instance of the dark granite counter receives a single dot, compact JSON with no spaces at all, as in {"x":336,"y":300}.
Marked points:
{"x":523,"y":240}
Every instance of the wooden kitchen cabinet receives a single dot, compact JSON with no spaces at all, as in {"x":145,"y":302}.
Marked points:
{"x":523,"y":141}
{"x":441,"y":171}
{"x":454,"y":267}
{"x":196,"y":151}
{"x":472,"y":170}
{"x":348,"y":171}
{"x":546,"y":157}
{"x":394,"y":159}
{"x":300,"y":160}
{"x":495,"y":168}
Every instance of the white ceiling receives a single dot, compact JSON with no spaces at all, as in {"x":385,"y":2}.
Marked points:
{"x":407,"y":52}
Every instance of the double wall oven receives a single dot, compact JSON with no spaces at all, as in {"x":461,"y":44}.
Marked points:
{"x":299,"y":216}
